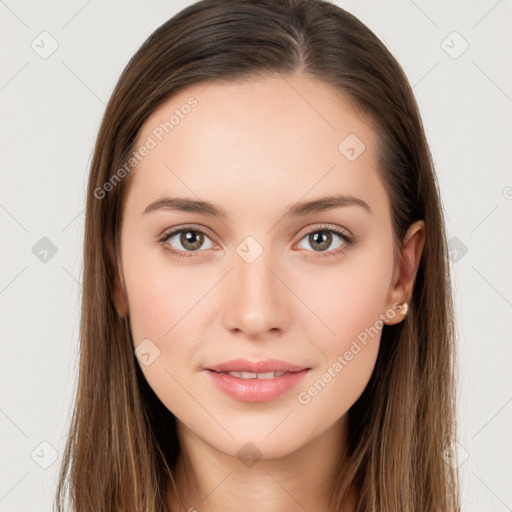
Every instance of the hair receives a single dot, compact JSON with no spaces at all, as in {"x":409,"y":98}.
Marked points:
{"x":122,"y":448}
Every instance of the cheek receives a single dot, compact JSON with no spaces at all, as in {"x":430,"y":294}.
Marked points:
{"x":151,"y":310}
{"x":345,"y":300}
{"x":349,"y":301}
{"x":161,"y":295}
{"x":163,"y":302}
{"x":348,"y":353}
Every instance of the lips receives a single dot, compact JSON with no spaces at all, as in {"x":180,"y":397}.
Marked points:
{"x":256,"y":389}
{"x":268,"y":365}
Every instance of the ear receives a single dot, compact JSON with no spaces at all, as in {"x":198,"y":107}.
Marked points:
{"x":404,"y":274}
{"x":118,"y":291}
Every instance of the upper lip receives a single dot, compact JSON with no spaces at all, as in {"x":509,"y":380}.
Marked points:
{"x":268,"y":365}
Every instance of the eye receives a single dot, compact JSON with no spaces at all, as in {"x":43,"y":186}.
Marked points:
{"x":188,"y":240}
{"x":322,"y":238}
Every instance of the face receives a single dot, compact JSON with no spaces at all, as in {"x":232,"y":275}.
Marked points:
{"x":309,"y":286}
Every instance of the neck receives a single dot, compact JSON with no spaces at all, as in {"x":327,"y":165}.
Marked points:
{"x":209,"y":480}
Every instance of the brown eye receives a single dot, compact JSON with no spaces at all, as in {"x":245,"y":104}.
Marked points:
{"x":322,"y":239}
{"x":186,"y":240}
{"x":191,"y":240}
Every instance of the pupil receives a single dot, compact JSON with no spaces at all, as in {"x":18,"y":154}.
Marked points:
{"x":191,"y":239}
{"x":324,"y":243}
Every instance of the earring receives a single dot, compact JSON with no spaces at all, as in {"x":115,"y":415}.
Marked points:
{"x":403,"y":309}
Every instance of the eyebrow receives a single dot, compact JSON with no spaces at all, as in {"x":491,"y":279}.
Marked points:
{"x":297,"y":210}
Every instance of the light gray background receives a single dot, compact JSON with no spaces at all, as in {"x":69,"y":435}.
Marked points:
{"x":51,"y":110}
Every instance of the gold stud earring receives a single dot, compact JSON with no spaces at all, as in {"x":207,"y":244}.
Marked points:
{"x":404,"y":308}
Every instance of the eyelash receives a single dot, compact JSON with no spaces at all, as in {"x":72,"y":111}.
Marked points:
{"x":348,"y":239}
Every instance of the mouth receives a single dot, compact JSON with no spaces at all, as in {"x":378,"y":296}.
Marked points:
{"x":256,"y":386}
{"x":254,"y":375}
{"x":262,"y":368}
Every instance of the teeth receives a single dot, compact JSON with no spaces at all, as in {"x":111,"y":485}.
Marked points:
{"x":251,"y":375}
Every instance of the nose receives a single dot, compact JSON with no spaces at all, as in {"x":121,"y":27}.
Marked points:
{"x":257,"y":302}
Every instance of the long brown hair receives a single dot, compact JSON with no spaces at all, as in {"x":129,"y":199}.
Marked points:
{"x":122,"y":445}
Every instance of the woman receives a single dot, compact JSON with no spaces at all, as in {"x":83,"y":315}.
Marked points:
{"x":267,"y":317}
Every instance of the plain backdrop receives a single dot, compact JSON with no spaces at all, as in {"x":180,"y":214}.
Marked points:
{"x":59,"y":64}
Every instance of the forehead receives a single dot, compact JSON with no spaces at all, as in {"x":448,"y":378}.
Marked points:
{"x":273,"y":135}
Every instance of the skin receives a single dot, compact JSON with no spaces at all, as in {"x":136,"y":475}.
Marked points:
{"x":291,"y":303}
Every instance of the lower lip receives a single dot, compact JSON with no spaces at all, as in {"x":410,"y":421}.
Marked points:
{"x":256,"y":390}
